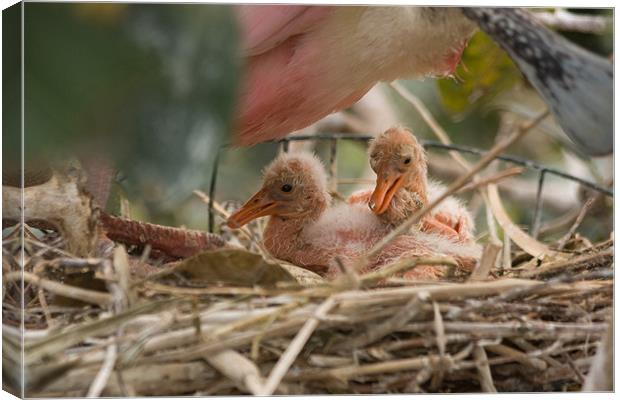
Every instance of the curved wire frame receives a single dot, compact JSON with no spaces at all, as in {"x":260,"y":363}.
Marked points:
{"x":334,"y":139}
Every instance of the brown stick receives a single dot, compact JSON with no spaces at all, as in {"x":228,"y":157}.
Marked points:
{"x":87,"y":296}
{"x":582,"y":213}
{"x":492,"y":179}
{"x":292,"y":351}
{"x":397,"y":321}
{"x":518,"y":356}
{"x":175,"y":242}
{"x":486,"y":263}
{"x":385,"y":367}
{"x":484,"y":371}
{"x":604,"y":257}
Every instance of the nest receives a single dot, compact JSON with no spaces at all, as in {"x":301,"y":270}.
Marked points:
{"x":230,"y":322}
{"x":174,"y":314}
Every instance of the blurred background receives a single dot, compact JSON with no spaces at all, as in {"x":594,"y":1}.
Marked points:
{"x":153,"y":87}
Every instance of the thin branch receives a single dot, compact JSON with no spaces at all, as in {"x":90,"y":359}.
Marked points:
{"x":486,"y":263}
{"x":563,"y":20}
{"x":492,"y":179}
{"x":404,"y":264}
{"x":594,"y":259}
{"x":484,"y":371}
{"x":397,"y":321}
{"x":582,"y":213}
{"x":243,"y":372}
{"x":175,"y":242}
{"x":72,"y":292}
{"x":518,"y":356}
{"x":101,"y":379}
{"x":289,"y":356}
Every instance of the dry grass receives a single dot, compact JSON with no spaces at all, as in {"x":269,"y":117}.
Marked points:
{"x":112,"y":326}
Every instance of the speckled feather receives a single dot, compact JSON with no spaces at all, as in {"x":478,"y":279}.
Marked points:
{"x":576,"y":84}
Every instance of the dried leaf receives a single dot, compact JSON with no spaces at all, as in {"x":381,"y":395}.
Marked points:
{"x":303,"y":276}
{"x":234,"y":266}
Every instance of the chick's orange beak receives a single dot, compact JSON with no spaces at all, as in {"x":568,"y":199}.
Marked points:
{"x":387,"y":186}
{"x":259,"y":205}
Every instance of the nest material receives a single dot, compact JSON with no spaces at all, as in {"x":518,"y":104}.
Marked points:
{"x":231,"y":321}
{"x":122,"y":325}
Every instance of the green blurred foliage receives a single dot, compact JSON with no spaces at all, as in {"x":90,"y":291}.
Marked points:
{"x":11,"y":88}
{"x":485,"y":70}
{"x":151,"y":87}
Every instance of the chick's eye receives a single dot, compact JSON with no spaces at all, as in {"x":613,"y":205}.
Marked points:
{"x":286,"y":188}
{"x":407,"y":160}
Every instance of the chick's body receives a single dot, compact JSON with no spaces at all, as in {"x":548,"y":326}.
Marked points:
{"x":403,"y":188}
{"x":305,"y":230}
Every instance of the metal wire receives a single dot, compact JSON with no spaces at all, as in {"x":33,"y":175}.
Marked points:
{"x":334,"y":138}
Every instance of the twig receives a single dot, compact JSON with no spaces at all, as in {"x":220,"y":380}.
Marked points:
{"x":440,"y":335}
{"x":506,"y":253}
{"x":121,"y":269}
{"x":404,"y":264}
{"x":85,"y":295}
{"x":287,"y":359}
{"x":518,"y":356}
{"x":582,"y":213}
{"x":119,"y":304}
{"x":525,"y":241}
{"x":101,"y":379}
{"x":492,"y":179}
{"x":397,"y":321}
{"x":46,"y":311}
{"x":437,"y":292}
{"x":58,"y":341}
{"x":352,"y":371}
{"x":533,"y":351}
{"x":484,"y":371}
{"x":237,"y":368}
{"x":593,"y":259}
{"x":486,"y":263}
{"x":222,"y":211}
{"x":600,"y":377}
